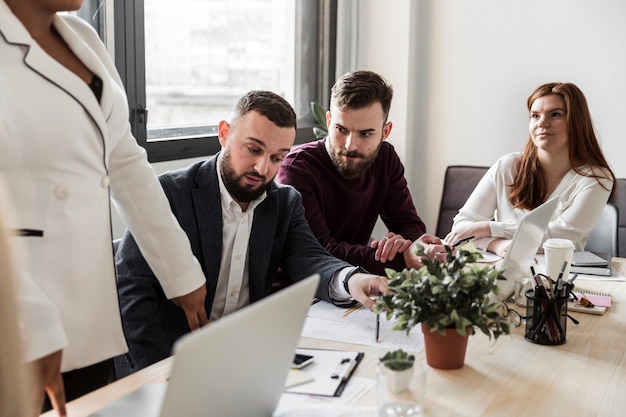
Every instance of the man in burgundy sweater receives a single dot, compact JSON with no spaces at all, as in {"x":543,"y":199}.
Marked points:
{"x":352,"y":176}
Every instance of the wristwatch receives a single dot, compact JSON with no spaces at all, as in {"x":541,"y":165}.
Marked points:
{"x":356,"y":270}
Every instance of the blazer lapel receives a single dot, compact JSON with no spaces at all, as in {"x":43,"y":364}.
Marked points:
{"x":39,"y":61}
{"x":208,"y":211}
{"x":261,"y":243}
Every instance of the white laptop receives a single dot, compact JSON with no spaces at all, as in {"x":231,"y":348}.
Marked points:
{"x":235,"y":367}
{"x":526,"y":241}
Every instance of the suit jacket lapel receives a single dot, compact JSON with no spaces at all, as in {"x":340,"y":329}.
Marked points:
{"x":208,"y":211}
{"x":261,"y":243}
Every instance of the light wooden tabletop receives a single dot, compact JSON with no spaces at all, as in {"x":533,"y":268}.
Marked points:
{"x":584,"y":377}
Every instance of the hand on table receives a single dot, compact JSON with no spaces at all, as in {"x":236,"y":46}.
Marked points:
{"x":476,"y":229}
{"x":388,"y":246}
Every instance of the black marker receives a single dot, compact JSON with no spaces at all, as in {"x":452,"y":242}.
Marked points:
{"x":462,"y":241}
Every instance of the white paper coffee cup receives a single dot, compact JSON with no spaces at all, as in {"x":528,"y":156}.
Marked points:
{"x":556,"y":252}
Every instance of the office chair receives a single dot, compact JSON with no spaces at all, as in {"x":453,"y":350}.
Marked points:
{"x":458,"y":184}
{"x":603,"y":237}
{"x":618,"y":199}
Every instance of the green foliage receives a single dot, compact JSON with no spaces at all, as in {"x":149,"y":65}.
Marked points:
{"x":451,"y":294}
{"x":320,"y":131}
{"x":398,"y":360}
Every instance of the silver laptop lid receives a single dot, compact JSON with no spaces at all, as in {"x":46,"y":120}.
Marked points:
{"x":524,"y":245}
{"x":235,"y":367}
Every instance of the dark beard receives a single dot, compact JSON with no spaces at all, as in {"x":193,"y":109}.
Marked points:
{"x":352,"y":171}
{"x":242,"y":193}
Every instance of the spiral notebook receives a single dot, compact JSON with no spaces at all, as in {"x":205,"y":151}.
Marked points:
{"x":601,"y":301}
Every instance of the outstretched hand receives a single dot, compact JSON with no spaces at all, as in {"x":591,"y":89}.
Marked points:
{"x":364,"y":286}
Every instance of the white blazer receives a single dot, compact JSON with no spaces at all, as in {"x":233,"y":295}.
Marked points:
{"x":63,"y":156}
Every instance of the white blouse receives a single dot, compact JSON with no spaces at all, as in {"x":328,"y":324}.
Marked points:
{"x":581,"y":202}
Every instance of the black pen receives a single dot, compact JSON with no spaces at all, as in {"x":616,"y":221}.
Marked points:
{"x":559,"y":281}
{"x":378,"y":323}
{"x":534,"y":275}
{"x":462,"y":241}
{"x":571,"y":280}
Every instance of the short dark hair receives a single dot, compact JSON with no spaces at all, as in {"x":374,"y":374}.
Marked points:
{"x":359,"y":89}
{"x":268,"y":104}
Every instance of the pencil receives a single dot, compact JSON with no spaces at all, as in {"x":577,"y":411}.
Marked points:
{"x":352,"y":309}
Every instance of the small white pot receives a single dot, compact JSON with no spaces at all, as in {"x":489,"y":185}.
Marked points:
{"x":397,"y":381}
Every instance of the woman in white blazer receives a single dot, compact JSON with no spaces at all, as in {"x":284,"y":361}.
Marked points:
{"x":65,"y":150}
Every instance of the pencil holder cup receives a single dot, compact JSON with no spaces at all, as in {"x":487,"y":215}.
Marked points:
{"x":546,"y":319}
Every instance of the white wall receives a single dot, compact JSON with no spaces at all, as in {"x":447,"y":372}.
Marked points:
{"x":462,"y":71}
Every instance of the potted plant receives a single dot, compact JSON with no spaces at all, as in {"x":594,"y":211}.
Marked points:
{"x":449,"y":298}
{"x":397,"y":367}
{"x":320,"y":131}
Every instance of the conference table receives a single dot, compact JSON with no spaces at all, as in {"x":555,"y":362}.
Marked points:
{"x":509,"y":376}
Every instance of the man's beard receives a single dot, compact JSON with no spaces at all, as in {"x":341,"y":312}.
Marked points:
{"x":240,"y":191}
{"x":352,"y":169}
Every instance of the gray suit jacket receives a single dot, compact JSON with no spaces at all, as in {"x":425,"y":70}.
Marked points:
{"x":280,"y":238}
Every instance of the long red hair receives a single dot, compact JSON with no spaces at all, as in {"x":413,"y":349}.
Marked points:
{"x":529,"y":188}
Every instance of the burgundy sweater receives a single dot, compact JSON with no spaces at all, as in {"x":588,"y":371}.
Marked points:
{"x":342,"y":213}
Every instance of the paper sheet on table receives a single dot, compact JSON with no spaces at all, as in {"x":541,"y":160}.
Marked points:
{"x":297,"y":377}
{"x":292,"y":405}
{"x":358,"y":325}
{"x":488,"y":257}
{"x":328,"y":411}
{"x":615,"y":275}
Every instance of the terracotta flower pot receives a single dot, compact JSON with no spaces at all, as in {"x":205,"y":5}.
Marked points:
{"x":445,"y":352}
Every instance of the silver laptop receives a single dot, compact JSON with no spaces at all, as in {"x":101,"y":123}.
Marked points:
{"x":235,"y":367}
{"x":524,"y":246}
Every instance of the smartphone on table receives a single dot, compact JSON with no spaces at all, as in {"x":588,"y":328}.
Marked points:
{"x":300,"y":361}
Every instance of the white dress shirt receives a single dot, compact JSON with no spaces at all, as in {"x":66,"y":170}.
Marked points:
{"x":233,"y":290}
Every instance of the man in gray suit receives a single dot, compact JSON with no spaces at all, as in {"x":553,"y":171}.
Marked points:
{"x":242,"y":227}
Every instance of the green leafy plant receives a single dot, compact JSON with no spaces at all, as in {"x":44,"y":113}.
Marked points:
{"x":320,"y":131}
{"x":456,"y":293}
{"x":397,"y":360}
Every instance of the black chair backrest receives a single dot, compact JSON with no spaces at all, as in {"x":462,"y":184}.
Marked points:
{"x":603,"y":237}
{"x":460,"y":181}
{"x":458,"y":184}
{"x":618,"y":199}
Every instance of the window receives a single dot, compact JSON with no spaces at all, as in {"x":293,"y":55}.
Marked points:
{"x":185,"y":63}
